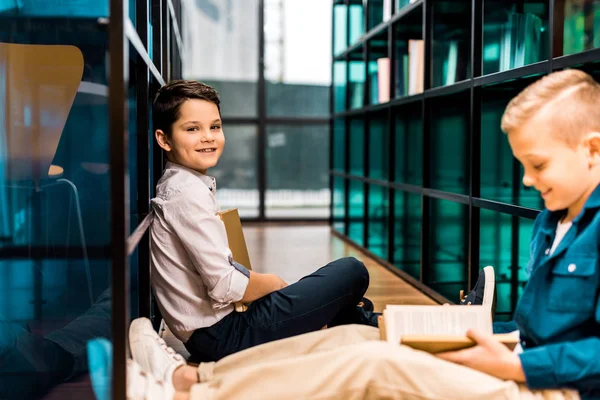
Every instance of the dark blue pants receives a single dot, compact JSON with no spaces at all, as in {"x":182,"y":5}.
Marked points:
{"x":328,"y":296}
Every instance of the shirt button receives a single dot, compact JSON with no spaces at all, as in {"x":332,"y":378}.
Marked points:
{"x":547,"y":251}
{"x":572,"y":267}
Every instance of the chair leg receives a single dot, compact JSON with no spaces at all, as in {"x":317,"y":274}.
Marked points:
{"x":82,"y":237}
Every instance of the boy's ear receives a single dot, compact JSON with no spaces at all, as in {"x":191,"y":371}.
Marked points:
{"x":162,"y":140}
{"x":592,"y":143}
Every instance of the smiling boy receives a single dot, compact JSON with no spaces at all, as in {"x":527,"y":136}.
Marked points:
{"x":194,"y":277}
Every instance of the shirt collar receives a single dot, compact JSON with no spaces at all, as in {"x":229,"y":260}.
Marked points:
{"x":209,"y":181}
{"x":550,"y":220}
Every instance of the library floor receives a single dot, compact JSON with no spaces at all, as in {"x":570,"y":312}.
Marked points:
{"x":295,"y":251}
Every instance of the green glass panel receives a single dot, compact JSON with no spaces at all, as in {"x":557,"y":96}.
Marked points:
{"x":339,"y":205}
{"x":407,"y":233}
{"x":357,"y":83}
{"x":356,"y":212}
{"x":515,"y":33}
{"x":449,"y":145}
{"x":339,"y":86}
{"x":375,"y":13}
{"x":409,"y":144}
{"x":340,"y":29}
{"x":357,"y":22}
{"x":339,"y":144}
{"x":378,"y":220}
{"x":448,"y":239}
{"x":451,"y":42}
{"x":379,"y":148}
{"x":497,"y":162}
{"x":357,"y":147}
{"x":581,"y":25}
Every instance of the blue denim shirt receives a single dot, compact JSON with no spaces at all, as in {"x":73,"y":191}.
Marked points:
{"x":558,"y":315}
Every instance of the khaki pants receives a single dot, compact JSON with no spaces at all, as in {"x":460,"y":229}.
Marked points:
{"x":349,"y":362}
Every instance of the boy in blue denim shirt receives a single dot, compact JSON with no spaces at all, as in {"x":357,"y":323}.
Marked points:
{"x":553,"y":128}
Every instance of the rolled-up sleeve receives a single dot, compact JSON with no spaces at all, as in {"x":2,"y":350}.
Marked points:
{"x":202,"y":234}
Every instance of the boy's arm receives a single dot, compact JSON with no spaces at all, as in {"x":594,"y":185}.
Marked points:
{"x":261,"y":285}
{"x":505,"y":327}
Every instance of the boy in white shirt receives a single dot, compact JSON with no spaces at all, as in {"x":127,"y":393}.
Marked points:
{"x":194,"y":277}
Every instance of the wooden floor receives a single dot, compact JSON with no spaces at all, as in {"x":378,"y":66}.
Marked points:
{"x":295,"y":251}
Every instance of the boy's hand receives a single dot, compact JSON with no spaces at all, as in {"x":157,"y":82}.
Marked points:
{"x":488,"y":356}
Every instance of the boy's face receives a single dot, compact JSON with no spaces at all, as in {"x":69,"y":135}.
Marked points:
{"x":560,"y":172}
{"x":197,"y":138}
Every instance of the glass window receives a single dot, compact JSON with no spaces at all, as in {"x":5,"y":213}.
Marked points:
{"x":515,"y":33}
{"x":449,"y":142}
{"x":229,"y":60}
{"x":498,"y":165}
{"x":356,"y":211}
{"x":408,"y":45}
{"x":356,"y":20}
{"x":54,"y":189}
{"x":449,"y":246}
{"x":298,"y":171}
{"x":407,"y":233}
{"x":339,"y":204}
{"x":298,"y":60}
{"x":339,"y":86}
{"x":237,"y":171}
{"x":378,"y":220}
{"x":379,"y":147}
{"x":581,"y":25}
{"x":379,"y":69}
{"x":409,"y":144}
{"x":339,"y":144}
{"x":357,"y":147}
{"x":356,"y":79}
{"x":451,"y":42}
{"x":340,"y":28}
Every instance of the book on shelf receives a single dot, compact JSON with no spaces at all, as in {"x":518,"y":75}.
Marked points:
{"x":387,"y":10}
{"x":520,"y":41}
{"x":436,"y":329}
{"x":383,"y":79}
{"x":416,"y":54}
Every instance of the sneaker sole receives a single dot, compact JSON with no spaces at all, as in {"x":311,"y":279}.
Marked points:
{"x":490,"y":286}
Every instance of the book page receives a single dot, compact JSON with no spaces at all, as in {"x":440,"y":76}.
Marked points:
{"x":435,"y":320}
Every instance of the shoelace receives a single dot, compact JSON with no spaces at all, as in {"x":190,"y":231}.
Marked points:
{"x":170,"y":351}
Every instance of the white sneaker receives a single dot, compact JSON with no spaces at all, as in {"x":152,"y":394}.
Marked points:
{"x":143,"y":386}
{"x":151,"y":352}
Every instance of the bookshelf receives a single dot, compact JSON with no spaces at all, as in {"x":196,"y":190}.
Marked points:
{"x":421,"y":176}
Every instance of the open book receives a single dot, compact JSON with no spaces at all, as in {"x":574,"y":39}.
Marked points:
{"x":435,"y":329}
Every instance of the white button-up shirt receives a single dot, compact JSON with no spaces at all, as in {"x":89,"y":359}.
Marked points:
{"x":193,"y":276}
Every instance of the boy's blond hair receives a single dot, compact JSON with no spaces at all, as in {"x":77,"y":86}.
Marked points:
{"x":567,"y":101}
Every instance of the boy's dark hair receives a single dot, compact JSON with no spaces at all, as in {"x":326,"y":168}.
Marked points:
{"x":168,"y":101}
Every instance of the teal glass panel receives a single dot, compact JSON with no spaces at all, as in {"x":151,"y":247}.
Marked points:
{"x":515,"y":33}
{"x":449,"y":242}
{"x":340,"y":29}
{"x":408,"y":34}
{"x":402,"y":3}
{"x":356,"y":80}
{"x":449,"y":144}
{"x":379,"y":147}
{"x":357,"y":147}
{"x":379,"y":69}
{"x":375,"y":13}
{"x":498,"y":175}
{"x":356,"y":21}
{"x":339,"y":144}
{"x":339,"y":204}
{"x":356,"y":212}
{"x":339,"y":86}
{"x":407,"y":233}
{"x":378,"y":220}
{"x":581,"y":25}
{"x":408,"y":159}
{"x":451,"y":42}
